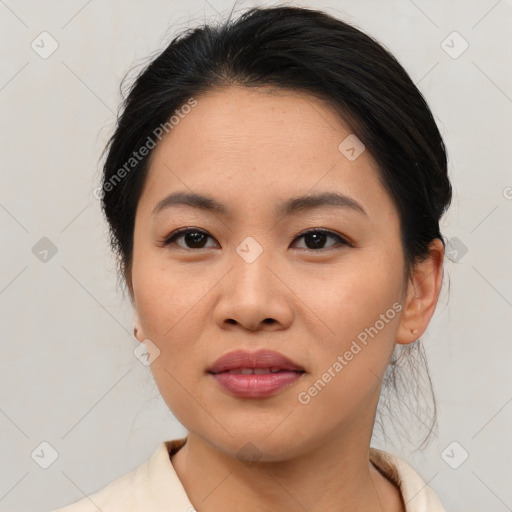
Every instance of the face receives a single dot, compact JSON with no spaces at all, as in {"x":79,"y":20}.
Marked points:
{"x":321,"y":284}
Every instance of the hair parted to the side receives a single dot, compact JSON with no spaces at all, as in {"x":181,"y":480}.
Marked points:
{"x":309,"y":51}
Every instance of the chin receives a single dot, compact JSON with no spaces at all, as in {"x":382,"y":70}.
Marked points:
{"x":256,"y":445}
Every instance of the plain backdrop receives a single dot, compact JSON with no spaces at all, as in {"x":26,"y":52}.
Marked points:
{"x":69,"y":377}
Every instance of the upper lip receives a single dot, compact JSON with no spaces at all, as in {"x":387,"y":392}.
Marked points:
{"x":260,"y":359}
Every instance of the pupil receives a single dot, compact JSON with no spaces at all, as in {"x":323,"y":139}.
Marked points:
{"x":318,"y":239}
{"x":194,"y":238}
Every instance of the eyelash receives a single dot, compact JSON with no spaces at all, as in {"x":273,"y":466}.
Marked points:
{"x":183,"y":231}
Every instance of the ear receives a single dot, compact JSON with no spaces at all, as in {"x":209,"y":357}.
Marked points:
{"x":421,"y":295}
{"x":137,"y":330}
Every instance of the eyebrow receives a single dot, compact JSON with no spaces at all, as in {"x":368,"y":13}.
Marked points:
{"x":289,"y":207}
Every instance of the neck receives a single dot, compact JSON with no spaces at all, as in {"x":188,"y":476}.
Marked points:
{"x":331,"y":476}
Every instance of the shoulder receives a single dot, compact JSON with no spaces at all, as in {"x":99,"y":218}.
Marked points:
{"x":417,"y":495}
{"x":118,"y":495}
{"x":153,"y":486}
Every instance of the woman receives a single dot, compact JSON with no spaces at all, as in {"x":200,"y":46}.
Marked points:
{"x":274,"y":189}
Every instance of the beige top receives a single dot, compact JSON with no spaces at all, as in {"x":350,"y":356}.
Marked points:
{"x":155,"y":487}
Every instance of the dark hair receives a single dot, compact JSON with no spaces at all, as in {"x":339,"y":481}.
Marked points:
{"x":297,"y":49}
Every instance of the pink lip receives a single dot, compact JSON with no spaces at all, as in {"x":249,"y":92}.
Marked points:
{"x":259,"y":359}
{"x":255,"y":385}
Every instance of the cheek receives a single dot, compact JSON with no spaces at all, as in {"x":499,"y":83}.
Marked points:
{"x":162,"y":295}
{"x":360,"y":313}
{"x":353,"y":295}
{"x":170,"y":306}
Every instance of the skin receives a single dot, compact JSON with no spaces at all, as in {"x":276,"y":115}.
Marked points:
{"x":252,"y":149}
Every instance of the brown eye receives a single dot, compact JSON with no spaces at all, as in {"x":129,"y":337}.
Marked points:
{"x":316,"y":238}
{"x":193,"y":238}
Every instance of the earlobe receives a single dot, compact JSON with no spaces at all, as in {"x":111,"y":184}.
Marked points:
{"x":422,"y":294}
{"x":137,"y":330}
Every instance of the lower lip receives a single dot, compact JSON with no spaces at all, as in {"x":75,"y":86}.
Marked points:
{"x":256,"y":385}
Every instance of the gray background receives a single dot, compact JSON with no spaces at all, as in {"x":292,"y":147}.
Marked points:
{"x":68,"y":373}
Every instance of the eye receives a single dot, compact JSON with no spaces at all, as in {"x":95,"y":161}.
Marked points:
{"x":193,"y":236}
{"x":196,"y":238}
{"x":317,"y":238}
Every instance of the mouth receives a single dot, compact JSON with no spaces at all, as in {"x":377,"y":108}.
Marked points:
{"x":264,"y":361}
{"x":255,"y":371}
{"x":255,"y":374}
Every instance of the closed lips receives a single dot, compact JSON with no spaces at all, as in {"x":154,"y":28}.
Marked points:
{"x":257,"y":371}
{"x":259,"y":362}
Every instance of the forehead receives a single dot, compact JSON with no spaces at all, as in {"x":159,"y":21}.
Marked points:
{"x":249,"y":145}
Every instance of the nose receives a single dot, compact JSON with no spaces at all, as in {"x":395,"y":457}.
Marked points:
{"x":253,"y":296}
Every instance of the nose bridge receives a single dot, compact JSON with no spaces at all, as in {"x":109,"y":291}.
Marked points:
{"x":252,"y":295}
{"x":251,"y":261}
{"x":252,"y":285}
